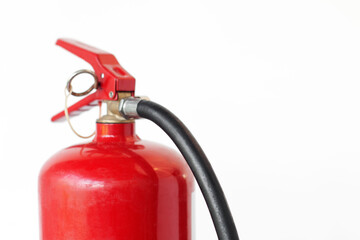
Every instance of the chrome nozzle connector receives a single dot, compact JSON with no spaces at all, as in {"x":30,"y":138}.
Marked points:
{"x":128,"y":107}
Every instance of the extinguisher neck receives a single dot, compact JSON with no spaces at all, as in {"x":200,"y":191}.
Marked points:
{"x":115,"y":132}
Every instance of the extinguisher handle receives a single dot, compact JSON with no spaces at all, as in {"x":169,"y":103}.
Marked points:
{"x":111,"y":76}
{"x":78,"y":107}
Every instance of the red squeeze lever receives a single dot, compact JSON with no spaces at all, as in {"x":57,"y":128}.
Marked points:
{"x":111,"y":76}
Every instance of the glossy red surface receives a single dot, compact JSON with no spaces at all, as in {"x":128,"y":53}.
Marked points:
{"x":116,"y":187}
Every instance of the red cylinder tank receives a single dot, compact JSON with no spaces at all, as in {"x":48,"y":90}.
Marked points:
{"x":116,"y":187}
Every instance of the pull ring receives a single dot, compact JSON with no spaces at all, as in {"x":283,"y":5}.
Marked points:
{"x":94,"y":86}
{"x":68,"y":91}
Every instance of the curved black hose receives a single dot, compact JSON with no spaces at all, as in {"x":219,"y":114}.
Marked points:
{"x":199,"y":165}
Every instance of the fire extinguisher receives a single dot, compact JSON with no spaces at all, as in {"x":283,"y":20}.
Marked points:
{"x":118,"y":186}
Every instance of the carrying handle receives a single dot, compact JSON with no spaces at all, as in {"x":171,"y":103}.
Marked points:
{"x":111,"y":76}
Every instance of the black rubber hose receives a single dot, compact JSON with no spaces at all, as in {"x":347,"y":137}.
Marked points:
{"x":199,"y":165}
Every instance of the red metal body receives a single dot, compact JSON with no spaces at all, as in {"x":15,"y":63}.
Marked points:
{"x":117,"y":187}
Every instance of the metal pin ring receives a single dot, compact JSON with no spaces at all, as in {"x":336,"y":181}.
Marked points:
{"x":94,"y":86}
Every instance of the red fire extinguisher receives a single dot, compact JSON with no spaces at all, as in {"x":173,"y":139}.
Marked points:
{"x":119,"y":187}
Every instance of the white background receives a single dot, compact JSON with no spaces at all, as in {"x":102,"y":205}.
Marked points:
{"x":269,"y":88}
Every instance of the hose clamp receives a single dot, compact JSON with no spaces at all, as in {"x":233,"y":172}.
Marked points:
{"x":128,"y":107}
